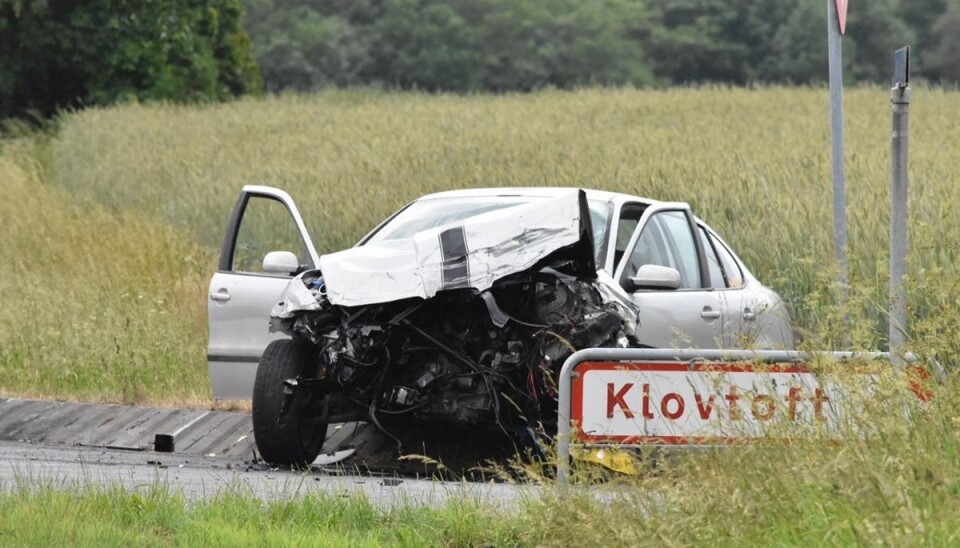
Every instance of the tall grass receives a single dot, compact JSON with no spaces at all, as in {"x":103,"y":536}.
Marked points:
{"x":95,"y":305}
{"x":891,"y":479}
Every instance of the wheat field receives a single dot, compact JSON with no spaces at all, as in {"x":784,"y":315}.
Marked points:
{"x":96,"y":306}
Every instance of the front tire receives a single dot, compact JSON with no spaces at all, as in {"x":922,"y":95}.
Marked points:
{"x":295,"y":439}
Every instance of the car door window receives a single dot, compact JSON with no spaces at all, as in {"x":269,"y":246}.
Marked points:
{"x":717,"y":280}
{"x":731,"y":269}
{"x":267,"y":225}
{"x":680,"y":239}
{"x":667,"y":240}
{"x":626,"y":225}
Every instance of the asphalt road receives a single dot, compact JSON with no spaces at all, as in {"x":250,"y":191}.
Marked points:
{"x":200,"y":477}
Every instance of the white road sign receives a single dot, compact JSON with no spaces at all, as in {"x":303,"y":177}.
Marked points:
{"x":678,"y":403}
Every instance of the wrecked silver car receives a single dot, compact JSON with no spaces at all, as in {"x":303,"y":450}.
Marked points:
{"x":458,"y":311}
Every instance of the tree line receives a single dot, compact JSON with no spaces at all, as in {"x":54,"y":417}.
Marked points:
{"x":62,"y":54}
{"x":57,"y":54}
{"x":505,"y":45}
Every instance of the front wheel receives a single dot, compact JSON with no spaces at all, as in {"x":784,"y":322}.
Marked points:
{"x":292,"y":436}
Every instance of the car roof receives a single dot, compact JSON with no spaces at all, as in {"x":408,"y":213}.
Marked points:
{"x":535,"y":192}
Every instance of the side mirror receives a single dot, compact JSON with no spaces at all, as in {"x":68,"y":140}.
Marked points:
{"x":653,"y":276}
{"x":281,"y":262}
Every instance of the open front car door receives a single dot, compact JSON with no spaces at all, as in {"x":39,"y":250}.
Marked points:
{"x":266,"y":244}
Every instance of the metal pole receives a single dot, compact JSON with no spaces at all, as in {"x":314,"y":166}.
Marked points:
{"x":900,"y":97}
{"x":835,"y":56}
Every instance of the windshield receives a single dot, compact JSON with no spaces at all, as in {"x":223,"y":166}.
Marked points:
{"x":434,"y":212}
{"x":426,"y":214}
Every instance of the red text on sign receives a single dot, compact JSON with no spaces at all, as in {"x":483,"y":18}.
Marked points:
{"x":673,"y":405}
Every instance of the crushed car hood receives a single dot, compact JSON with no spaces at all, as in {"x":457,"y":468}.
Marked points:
{"x":471,"y":254}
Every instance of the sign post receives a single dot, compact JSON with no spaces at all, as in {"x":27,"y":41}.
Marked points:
{"x":900,"y":97}
{"x":836,"y":25}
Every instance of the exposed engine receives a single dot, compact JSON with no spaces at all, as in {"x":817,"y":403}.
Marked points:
{"x":484,"y":360}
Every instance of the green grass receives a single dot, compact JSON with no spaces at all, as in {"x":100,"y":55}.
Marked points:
{"x":33,"y":514}
{"x":96,"y":306}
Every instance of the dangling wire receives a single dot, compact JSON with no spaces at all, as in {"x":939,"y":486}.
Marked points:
{"x":372,"y":411}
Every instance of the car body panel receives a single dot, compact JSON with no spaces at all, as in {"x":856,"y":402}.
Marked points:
{"x":764,"y":320}
{"x":757,"y":316}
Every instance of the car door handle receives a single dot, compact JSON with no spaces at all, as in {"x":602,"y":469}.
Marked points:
{"x":709,"y":314}
{"x":220,"y":296}
{"x":749,"y":315}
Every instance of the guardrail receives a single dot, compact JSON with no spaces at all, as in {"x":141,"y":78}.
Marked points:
{"x":632,"y":355}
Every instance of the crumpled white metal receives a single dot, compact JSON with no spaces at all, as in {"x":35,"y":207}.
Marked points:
{"x":295,"y":297}
{"x":495,"y":244}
